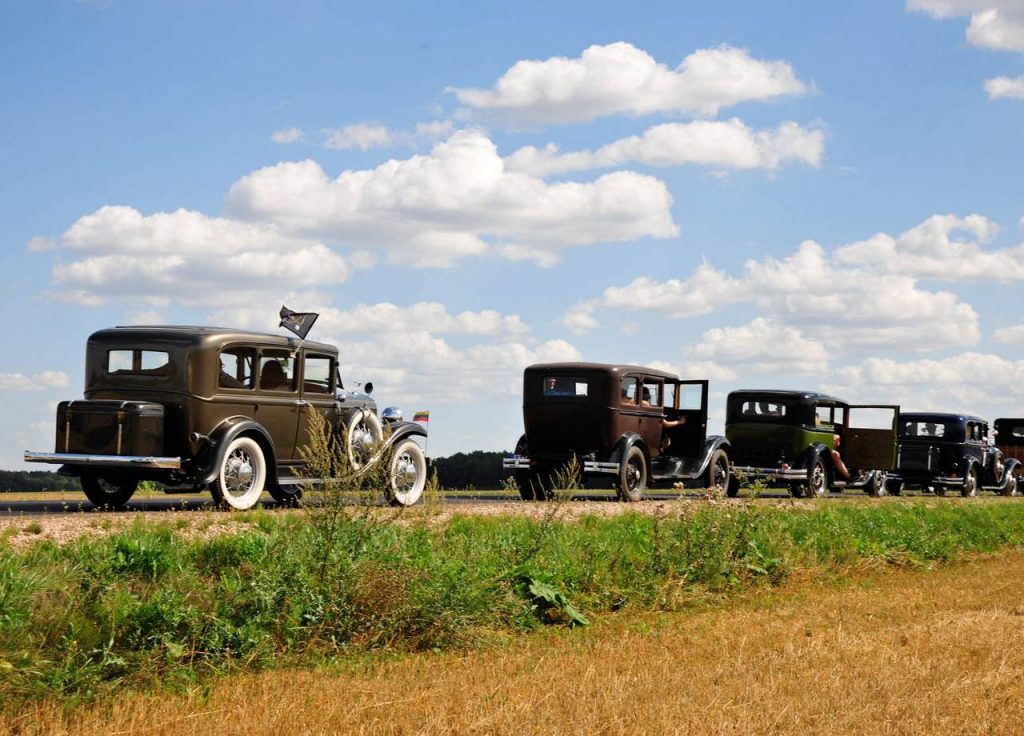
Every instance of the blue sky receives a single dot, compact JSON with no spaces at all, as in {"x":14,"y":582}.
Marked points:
{"x":767,"y":195}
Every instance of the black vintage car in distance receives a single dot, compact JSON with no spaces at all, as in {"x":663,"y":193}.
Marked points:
{"x":612,"y":419}
{"x":224,"y":409}
{"x":945,"y":451}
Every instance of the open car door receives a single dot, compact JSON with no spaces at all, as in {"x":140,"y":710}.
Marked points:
{"x":691,"y":402}
{"x":869,"y":437}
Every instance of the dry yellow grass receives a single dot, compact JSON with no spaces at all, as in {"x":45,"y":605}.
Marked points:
{"x":905,"y":653}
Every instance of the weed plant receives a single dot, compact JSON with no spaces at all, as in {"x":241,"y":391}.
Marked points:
{"x":147,"y":607}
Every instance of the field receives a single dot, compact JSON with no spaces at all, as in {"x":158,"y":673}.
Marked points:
{"x":805,"y":615}
{"x":907,"y":652}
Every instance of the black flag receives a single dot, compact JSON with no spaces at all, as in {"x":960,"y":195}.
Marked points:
{"x":298,"y":322}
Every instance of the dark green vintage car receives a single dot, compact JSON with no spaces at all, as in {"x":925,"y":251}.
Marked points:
{"x":224,"y":409}
{"x":788,"y":438}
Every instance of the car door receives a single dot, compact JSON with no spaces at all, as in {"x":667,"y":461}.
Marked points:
{"x":691,"y":405}
{"x":317,"y":386}
{"x":869,"y":436}
{"x":277,"y":399}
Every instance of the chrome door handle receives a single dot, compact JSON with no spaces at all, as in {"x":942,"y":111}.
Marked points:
{"x":301,"y":402}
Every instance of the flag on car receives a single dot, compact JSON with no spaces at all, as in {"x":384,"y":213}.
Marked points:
{"x":298,"y":322}
{"x":421,"y":416}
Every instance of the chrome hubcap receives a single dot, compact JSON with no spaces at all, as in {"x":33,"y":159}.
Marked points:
{"x":405,"y":474}
{"x":238,"y":473}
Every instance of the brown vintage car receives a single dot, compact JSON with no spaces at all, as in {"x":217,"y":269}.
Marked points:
{"x":611,"y":418}
{"x":1010,"y":439}
{"x":197,"y":407}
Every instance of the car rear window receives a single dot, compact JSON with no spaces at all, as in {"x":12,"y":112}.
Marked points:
{"x":138,"y":362}
{"x":763,"y":409}
{"x":565,"y":386}
{"x":924,"y":429}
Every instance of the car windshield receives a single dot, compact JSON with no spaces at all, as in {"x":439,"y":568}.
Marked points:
{"x":565,"y":386}
{"x":924,"y":429}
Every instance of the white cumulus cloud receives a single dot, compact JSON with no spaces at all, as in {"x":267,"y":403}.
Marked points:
{"x":721,"y":144}
{"x":290,"y":135}
{"x":620,"y":78}
{"x":994,"y":24}
{"x":1013,"y":335}
{"x":361,"y":135}
{"x":762,"y":345}
{"x":34,"y":382}
{"x":853,"y":299}
{"x":434,"y":209}
{"x":1008,"y":88}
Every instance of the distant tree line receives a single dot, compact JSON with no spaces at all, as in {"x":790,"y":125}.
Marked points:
{"x":478,"y":469}
{"x":36,"y":480}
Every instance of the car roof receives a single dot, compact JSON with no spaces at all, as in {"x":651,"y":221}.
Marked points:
{"x":779,"y":394}
{"x":938,"y":416}
{"x":200,"y":336}
{"x":614,"y":368}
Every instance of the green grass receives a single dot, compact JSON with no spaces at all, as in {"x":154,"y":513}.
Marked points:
{"x":146,"y":608}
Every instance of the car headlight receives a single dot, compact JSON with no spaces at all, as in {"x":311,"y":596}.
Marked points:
{"x":392,"y":414}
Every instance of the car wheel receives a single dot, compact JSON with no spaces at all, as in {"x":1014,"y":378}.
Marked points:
{"x":105,"y":493}
{"x":363,"y":437}
{"x":939,"y":490}
{"x":289,"y":495}
{"x":876,"y":487}
{"x":732,"y":488}
{"x":1012,"y":484}
{"x":242,"y":475}
{"x":796,"y":490}
{"x":970,"y":486}
{"x":717,"y":475}
{"x":407,"y":474}
{"x":894,"y":486}
{"x":817,"y":480}
{"x":632,"y":481}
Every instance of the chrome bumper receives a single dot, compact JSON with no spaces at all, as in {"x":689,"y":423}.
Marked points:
{"x":107,"y":461}
{"x":519,"y":462}
{"x":790,"y":474}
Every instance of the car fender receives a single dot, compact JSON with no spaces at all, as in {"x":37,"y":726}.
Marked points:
{"x":712,"y":443}
{"x":1010,"y":466}
{"x":625,"y":442}
{"x":397,"y":431}
{"x":215,"y":448}
{"x":819,"y":451}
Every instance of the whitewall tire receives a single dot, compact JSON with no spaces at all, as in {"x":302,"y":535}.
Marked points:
{"x":242,"y":475}
{"x":407,"y":474}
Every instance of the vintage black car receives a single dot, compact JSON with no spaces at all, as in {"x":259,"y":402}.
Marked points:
{"x":951,"y":451}
{"x":788,"y":438}
{"x":197,"y":407}
{"x":1010,"y":440}
{"x":632,"y":424}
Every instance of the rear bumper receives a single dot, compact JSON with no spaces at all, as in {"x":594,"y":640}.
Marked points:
{"x":104,"y":461}
{"x":787,"y":474}
{"x":521,"y":462}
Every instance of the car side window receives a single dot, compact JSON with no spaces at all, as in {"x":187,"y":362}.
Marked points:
{"x":316,"y":374}
{"x":277,"y":370}
{"x":237,"y":368}
{"x":629,"y":385}
{"x":823,"y":416}
{"x":650,"y":394}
